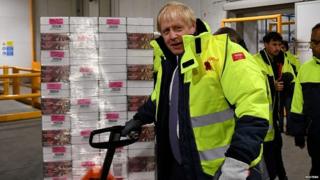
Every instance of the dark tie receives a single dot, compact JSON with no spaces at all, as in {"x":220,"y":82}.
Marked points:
{"x":174,"y":117}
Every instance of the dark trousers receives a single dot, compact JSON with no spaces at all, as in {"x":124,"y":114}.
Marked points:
{"x":273,"y":156}
{"x":313,"y":144}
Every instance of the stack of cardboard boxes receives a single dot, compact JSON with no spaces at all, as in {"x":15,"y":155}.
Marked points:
{"x":55,"y":101}
{"x":141,"y":159}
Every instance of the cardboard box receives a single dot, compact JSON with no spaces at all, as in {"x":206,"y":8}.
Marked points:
{"x":112,"y":28}
{"x":54,"y":28}
{"x":139,"y":29}
{"x":55,"y":73}
{"x":112,"y":36}
{"x":87,"y":104}
{"x":80,"y":85}
{"x":85,"y":72}
{"x":56,"y":138}
{"x":140,"y":53}
{"x":113,"y":76}
{"x":55,"y":90}
{"x":112,"y":52}
{"x":113,"y":107}
{"x":55,"y":106}
{"x":112,"y":84}
{"x":113,"y":115}
{"x":134,"y":102}
{"x":81,"y":136}
{"x":140,"y":21}
{"x":140,"y":72}
{"x":83,"y":28}
{"x":112,"y":92}
{"x":54,"y":37}
{"x":106,"y":68}
{"x":57,"y":153}
{"x":139,"y":91}
{"x":55,"y":57}
{"x":112,"y":60}
{"x":84,"y":44}
{"x":54,"y":45}
{"x":141,"y":84}
{"x":85,"y":124}
{"x":112,"y":24}
{"x":84,"y":93}
{"x":139,"y":40}
{"x":87,"y":116}
{"x":81,"y":61}
{"x":84,"y":37}
{"x":139,"y":60}
{"x":112,"y":20}
{"x":57,"y":170}
{"x":56,"y":122}
{"x":84,"y":151}
{"x":113,"y":44}
{"x":84,"y":20}
{"x":86,"y":53}
{"x":54,"y":20}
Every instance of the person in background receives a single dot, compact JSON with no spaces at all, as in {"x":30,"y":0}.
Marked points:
{"x":305,"y":114}
{"x":279,"y":76}
{"x":293,"y":59}
{"x":210,"y":117}
{"x":287,"y":97}
{"x":233,"y":35}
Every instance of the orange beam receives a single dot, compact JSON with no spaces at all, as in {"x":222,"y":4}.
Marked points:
{"x":19,"y":96}
{"x":20,"y":75}
{"x":278,"y":17}
{"x":20,"y":116}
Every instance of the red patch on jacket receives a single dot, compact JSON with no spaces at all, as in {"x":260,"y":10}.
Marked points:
{"x":207,"y":65}
{"x":238,"y":56}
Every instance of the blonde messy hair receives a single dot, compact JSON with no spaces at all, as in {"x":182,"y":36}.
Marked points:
{"x":175,"y":9}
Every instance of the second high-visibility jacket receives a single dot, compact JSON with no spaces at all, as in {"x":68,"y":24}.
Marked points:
{"x":305,"y":112}
{"x":264,"y":62}
{"x":223,"y":106}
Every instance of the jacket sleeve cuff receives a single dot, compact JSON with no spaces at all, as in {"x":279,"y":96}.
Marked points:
{"x":248,"y":136}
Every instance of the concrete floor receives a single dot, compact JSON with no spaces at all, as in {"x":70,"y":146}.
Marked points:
{"x":21,"y":151}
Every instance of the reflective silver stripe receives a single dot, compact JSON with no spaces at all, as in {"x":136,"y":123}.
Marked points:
{"x":213,"y":154}
{"x":212,"y":118}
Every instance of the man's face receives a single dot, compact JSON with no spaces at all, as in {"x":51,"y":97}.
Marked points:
{"x":172,"y":32}
{"x":273,"y":47}
{"x":315,"y":42}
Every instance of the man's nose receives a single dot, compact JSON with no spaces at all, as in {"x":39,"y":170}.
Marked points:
{"x":172,"y":35}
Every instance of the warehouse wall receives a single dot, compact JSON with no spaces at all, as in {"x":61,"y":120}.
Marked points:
{"x":15,"y":32}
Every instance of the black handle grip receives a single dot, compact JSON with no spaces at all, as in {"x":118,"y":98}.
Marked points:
{"x":114,"y":139}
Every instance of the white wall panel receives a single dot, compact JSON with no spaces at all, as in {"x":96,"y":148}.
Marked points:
{"x":15,"y":27}
{"x":307,"y":15}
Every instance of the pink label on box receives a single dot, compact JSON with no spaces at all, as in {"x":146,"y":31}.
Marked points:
{"x":59,"y":149}
{"x":83,"y":38}
{"x":112,"y":116}
{"x":54,"y":86}
{"x":113,"y":21}
{"x":115,"y":84}
{"x":57,"y":54}
{"x":84,"y":101}
{"x":57,"y":118}
{"x":85,"y":69}
{"x":88,"y":164}
{"x":56,"y":21}
{"x":85,"y":133}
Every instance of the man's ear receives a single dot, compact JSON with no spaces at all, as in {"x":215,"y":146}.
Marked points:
{"x":193,"y":28}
